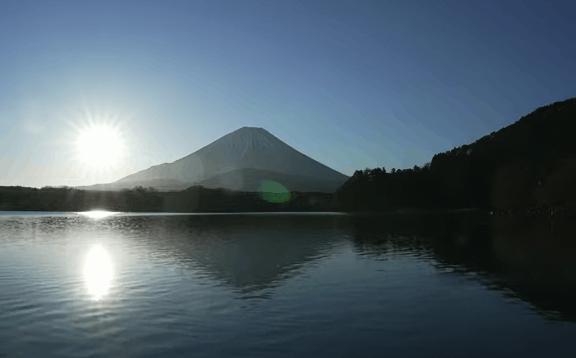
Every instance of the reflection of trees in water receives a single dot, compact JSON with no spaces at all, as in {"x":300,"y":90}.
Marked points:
{"x":533,"y":260}
{"x":247,"y":252}
{"x":538,"y":259}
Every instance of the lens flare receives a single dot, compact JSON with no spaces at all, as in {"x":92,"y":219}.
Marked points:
{"x":274,"y":192}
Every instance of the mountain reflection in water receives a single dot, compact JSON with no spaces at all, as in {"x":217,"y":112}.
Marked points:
{"x":247,"y":253}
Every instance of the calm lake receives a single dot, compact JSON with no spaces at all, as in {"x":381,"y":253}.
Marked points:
{"x":284,"y":285}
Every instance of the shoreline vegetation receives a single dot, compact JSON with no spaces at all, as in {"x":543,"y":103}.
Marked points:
{"x":527,"y":169}
{"x":202,"y":200}
{"x":139,"y":199}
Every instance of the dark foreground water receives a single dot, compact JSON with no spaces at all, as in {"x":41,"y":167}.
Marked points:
{"x":284,"y":286}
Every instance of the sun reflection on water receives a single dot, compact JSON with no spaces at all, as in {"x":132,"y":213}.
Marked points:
{"x":97,"y":214}
{"x":98,"y":272}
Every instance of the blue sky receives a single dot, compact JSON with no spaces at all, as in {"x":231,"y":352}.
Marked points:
{"x":353,"y":84}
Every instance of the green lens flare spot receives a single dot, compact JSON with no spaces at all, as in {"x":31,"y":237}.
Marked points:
{"x":274,"y":192}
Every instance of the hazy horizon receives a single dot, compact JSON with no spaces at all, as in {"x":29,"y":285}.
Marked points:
{"x":351,"y":84}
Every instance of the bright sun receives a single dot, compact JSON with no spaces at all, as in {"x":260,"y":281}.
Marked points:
{"x":100,"y":146}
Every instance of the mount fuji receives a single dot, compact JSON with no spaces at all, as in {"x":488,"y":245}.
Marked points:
{"x":241,"y":160}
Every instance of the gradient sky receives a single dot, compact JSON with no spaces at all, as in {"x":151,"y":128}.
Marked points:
{"x":353,"y":84}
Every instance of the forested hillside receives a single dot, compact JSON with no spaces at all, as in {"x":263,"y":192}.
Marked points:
{"x":529,"y":165}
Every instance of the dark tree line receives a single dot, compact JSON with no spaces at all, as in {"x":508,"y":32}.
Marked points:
{"x":194,"y":199}
{"x":378,"y":189}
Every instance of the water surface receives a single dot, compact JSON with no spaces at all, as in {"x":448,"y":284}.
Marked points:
{"x":281,"y":285}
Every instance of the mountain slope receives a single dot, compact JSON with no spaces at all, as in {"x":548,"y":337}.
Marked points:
{"x":247,"y":151}
{"x":253,"y":179}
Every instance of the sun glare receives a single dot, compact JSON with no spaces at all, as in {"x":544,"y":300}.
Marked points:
{"x":98,"y":272}
{"x":100,"y":146}
{"x":97,"y":214}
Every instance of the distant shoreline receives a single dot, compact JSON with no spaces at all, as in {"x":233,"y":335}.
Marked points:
{"x":390,"y":213}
